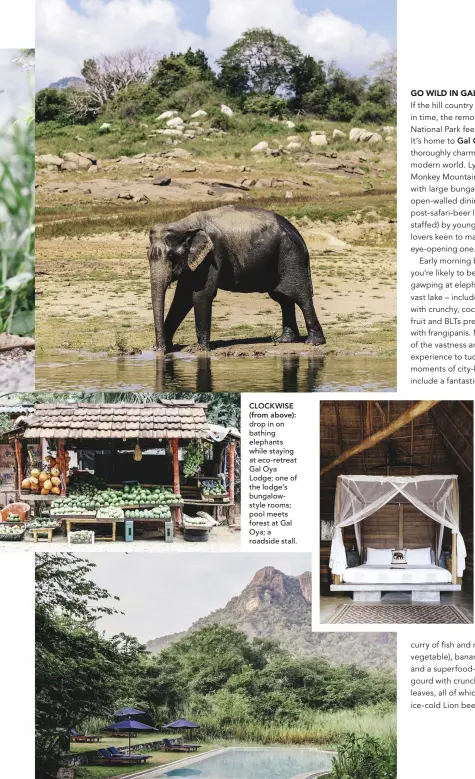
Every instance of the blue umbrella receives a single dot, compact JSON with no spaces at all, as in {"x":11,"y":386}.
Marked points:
{"x":181,"y":724}
{"x":128,"y":712}
{"x":130,"y":725}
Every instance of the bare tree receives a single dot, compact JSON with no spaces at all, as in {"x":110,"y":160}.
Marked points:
{"x":386,"y":69}
{"x":107,"y":75}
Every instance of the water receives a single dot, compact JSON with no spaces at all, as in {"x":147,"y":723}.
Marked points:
{"x":202,"y":373}
{"x":271,"y":763}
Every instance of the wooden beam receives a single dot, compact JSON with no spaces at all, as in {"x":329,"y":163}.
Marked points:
{"x":176,"y":466}
{"x":338,"y":426}
{"x":400,"y":514}
{"x":421,"y":407}
{"x":19,"y":463}
{"x":453,"y":424}
{"x":449,"y":443}
{"x":412,"y":445}
{"x":432,"y":444}
{"x":381,"y":410}
{"x":231,"y":455}
{"x":454,"y":536}
{"x":362,"y":433}
{"x":466,"y":408}
{"x":61,"y":459}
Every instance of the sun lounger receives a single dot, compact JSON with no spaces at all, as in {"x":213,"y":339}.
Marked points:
{"x":107,"y":757}
{"x":117,"y":753}
{"x":168,"y":746}
{"x":81,"y":738}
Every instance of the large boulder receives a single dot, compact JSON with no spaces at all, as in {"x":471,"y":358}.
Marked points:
{"x":198,"y":113}
{"x":225,"y":109}
{"x":356,"y":133}
{"x":260,"y":147}
{"x":177,"y":121}
{"x":172,"y":131}
{"x":293,"y":139}
{"x":44,"y":160}
{"x":288,"y":123}
{"x":338,"y":135}
{"x":389,"y":129}
{"x":166,"y":115}
{"x":294,"y":146}
{"x":318,"y":140}
{"x":375,"y":138}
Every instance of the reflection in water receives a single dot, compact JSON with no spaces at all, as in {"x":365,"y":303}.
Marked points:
{"x":205,"y":373}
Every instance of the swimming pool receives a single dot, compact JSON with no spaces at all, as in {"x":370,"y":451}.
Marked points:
{"x":270,"y":763}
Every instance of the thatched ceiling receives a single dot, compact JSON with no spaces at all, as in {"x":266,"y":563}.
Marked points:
{"x":440,"y":440}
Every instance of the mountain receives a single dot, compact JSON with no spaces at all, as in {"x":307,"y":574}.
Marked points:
{"x":274,"y":605}
{"x":66,"y":83}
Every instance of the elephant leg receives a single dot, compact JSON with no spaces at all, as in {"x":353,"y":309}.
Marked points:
{"x":203,"y":304}
{"x":290,"y":330}
{"x":314,"y":328}
{"x":182,"y":304}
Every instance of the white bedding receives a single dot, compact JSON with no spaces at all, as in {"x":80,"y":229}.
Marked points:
{"x":404,"y":574}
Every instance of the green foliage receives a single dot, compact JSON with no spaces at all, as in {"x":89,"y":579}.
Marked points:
{"x":17,"y":174}
{"x":365,"y":757}
{"x":265,"y":104}
{"x":267,"y":60}
{"x":340,"y":110}
{"x":172,"y":73}
{"x":52,"y":105}
{"x":308,"y":76}
{"x":79,"y":672}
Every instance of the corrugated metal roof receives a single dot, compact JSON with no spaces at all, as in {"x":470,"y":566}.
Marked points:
{"x":170,"y":419}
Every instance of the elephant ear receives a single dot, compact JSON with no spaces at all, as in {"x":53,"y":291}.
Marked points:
{"x":200,"y":246}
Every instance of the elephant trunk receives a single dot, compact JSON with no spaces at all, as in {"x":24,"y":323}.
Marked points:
{"x":160,"y":278}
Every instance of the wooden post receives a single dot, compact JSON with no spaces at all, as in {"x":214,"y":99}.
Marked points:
{"x":455,"y":503}
{"x":61,"y":460}
{"x":400,"y":509}
{"x":231,"y":455}
{"x":336,"y":576}
{"x":176,"y":466}
{"x":19,"y":463}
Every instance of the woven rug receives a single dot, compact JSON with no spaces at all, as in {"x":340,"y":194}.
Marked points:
{"x":398,"y":613}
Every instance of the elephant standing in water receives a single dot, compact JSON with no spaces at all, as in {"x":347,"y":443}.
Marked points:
{"x":233,"y":248}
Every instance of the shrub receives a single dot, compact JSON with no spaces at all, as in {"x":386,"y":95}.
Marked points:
{"x":52,"y":105}
{"x":340,"y":110}
{"x":374,"y":113}
{"x":365,"y":757}
{"x":265,"y":104}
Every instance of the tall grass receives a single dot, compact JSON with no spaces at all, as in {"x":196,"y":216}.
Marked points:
{"x":17,"y":171}
{"x":313,"y":727}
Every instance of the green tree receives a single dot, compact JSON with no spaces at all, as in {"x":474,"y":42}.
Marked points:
{"x":268,"y":60}
{"x":172,"y":73}
{"x":308,"y":76}
{"x":52,"y":105}
{"x":79,"y":672}
{"x":198,"y":59}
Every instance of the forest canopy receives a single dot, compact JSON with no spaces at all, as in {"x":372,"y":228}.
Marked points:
{"x":261,"y":73}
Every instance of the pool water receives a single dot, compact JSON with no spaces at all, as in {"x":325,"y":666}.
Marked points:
{"x":271,"y":763}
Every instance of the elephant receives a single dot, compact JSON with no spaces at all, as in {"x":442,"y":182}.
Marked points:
{"x":233,"y":248}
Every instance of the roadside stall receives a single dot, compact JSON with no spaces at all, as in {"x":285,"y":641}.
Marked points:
{"x":110,"y":471}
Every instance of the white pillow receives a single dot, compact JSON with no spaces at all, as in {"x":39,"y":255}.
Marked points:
{"x":378,"y":556}
{"x":419,"y":556}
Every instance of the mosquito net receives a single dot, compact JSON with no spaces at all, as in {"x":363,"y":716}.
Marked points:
{"x":357,"y":497}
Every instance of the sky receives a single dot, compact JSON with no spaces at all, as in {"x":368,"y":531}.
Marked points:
{"x":166,"y":593}
{"x":14,"y":81}
{"x":354,"y":32}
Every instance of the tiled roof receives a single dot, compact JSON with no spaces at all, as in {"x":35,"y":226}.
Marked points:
{"x":168,"y":419}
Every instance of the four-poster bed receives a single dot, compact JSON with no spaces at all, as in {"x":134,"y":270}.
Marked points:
{"x":394,"y":562}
